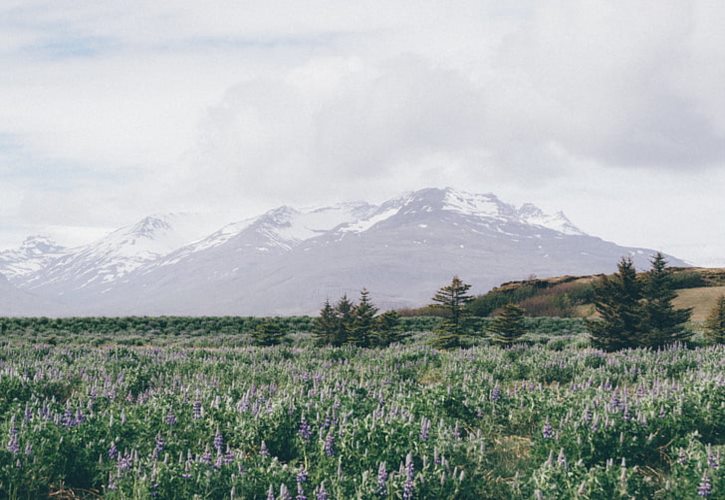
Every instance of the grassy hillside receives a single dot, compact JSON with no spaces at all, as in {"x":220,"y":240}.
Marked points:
{"x":571,"y":296}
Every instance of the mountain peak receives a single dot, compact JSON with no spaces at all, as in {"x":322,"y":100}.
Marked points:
{"x":150,"y":225}
{"x":40,"y":244}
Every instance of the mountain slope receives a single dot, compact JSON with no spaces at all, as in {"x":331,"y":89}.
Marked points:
{"x":114,"y":256}
{"x":288,"y":261}
{"x":402,"y":250}
{"x":35,"y":253}
{"x":16,"y":302}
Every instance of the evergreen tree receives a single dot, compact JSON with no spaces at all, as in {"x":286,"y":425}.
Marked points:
{"x":363,"y":321}
{"x":344,"y":310}
{"x":715,"y":323}
{"x":325,"y":327}
{"x":617,"y":300}
{"x":453,"y":299}
{"x":388,"y":330}
{"x":268,"y":332}
{"x":508,"y":327}
{"x":663,"y":324}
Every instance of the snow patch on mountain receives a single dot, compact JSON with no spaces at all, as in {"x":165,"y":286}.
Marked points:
{"x":32,"y":255}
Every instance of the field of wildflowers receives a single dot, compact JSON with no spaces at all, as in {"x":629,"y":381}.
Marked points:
{"x":176,"y":420}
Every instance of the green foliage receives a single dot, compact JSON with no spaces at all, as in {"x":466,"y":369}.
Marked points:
{"x":638,"y":312}
{"x":326,"y":326}
{"x":344,"y":309}
{"x":526,"y":422}
{"x":715,"y":323}
{"x":363,"y":321}
{"x":507,"y":327}
{"x":269,"y":332}
{"x":453,"y":298}
{"x":663,"y":324}
{"x":388,"y":329}
{"x":617,"y":300}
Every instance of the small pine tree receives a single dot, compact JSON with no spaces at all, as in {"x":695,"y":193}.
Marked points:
{"x":453,"y":299}
{"x":363,"y":321}
{"x":617,"y":300}
{"x":268,"y":332}
{"x":388,"y":330}
{"x":325,"y":327}
{"x":715,"y":323}
{"x":508,"y":327}
{"x":344,"y":310}
{"x":662,"y":323}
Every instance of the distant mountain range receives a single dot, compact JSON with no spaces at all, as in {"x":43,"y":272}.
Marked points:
{"x":288,"y":261}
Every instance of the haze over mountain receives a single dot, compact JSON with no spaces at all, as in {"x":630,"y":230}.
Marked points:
{"x":288,"y":260}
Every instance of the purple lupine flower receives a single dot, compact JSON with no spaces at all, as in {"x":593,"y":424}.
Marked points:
{"x":705,"y":487}
{"x":409,"y":473}
{"x":218,"y":441}
{"x":111,"y":482}
{"x":305,"y":430}
{"x":682,"y":458}
{"x":587,"y":415}
{"x":170,"y":418}
{"x":124,"y":463}
{"x":284,"y":493}
{"x":496,"y":393}
{"x":713,"y":461}
{"x":548,"y":430}
{"x":67,"y":418}
{"x":322,"y":493}
{"x":300,"y":493}
{"x":13,"y":441}
{"x":615,"y":402}
{"x":424,"y":429}
{"x":228,"y":456}
{"x":330,"y":444}
{"x":196,"y":408}
{"x":382,"y":480}
{"x":270,"y":493}
{"x":263,"y":450}
{"x":159,"y":447}
{"x":561,"y":459}
{"x":302,"y":476}
{"x":187,"y":471}
{"x":206,"y":457}
{"x":113,"y":451}
{"x":28,"y":414}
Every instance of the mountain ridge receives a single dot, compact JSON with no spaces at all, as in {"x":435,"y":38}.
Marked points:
{"x":289,"y":260}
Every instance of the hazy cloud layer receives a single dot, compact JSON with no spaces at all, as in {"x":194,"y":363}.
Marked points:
{"x":610,"y":110}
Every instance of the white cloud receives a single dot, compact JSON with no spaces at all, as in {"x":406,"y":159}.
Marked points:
{"x":241,"y":106}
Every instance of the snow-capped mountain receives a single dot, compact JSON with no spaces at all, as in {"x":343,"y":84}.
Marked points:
{"x":288,"y":261}
{"x":34,"y":254}
{"x":115,"y":255}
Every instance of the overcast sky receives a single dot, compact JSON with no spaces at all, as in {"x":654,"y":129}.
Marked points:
{"x":611,"y":111}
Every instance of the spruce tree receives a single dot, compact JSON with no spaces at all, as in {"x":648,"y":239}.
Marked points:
{"x":663,"y":324}
{"x":617,"y":300}
{"x":388,"y":330}
{"x":715,"y":323}
{"x":453,"y":299}
{"x":507,"y":327}
{"x":363,"y":321}
{"x":268,"y":332}
{"x":344,"y":310}
{"x":325,"y":327}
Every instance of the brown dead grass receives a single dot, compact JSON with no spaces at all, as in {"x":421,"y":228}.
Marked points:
{"x":702,"y":300}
